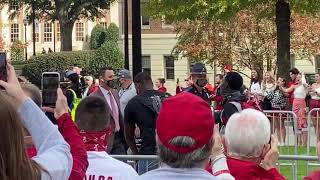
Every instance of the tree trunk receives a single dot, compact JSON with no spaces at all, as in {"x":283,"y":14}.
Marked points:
{"x":283,"y":38}
{"x":66,"y":29}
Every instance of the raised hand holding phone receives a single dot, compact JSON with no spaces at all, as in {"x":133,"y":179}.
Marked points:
{"x":49,"y":85}
{"x":12,"y":86}
{"x":61,"y":104}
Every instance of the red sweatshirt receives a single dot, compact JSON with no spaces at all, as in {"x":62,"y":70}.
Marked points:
{"x":218,"y":98}
{"x":244,"y":170}
{"x":163,"y":89}
{"x":71,"y":134}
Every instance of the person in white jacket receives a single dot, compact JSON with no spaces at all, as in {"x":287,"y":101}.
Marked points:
{"x":54,"y":160}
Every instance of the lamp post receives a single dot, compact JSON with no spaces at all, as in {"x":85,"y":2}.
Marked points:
{"x":25,"y":22}
{"x":54,"y":36}
{"x":136,"y":38}
{"x":126,"y":35}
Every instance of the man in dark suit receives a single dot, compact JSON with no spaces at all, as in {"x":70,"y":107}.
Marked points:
{"x":106,"y":90}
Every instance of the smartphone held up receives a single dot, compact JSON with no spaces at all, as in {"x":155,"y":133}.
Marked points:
{"x":50,"y":82}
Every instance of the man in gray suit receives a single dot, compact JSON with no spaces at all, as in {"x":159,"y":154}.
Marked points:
{"x":107,"y":91}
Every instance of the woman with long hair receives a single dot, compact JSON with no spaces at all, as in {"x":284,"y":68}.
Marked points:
{"x":279,"y":102}
{"x":255,"y":87}
{"x":160,"y":85}
{"x":53,"y":161}
{"x":268,"y":85}
{"x":300,"y":91}
{"x":315,"y":103}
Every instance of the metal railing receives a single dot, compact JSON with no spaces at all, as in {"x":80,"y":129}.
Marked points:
{"x":313,"y":121}
{"x":155,"y":157}
{"x":284,"y":125}
{"x":133,"y":159}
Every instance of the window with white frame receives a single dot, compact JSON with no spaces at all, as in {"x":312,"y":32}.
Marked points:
{"x":105,"y":25}
{"x":191,"y":64}
{"x":47,"y":32}
{"x":169,"y":67}
{"x":146,"y":64}
{"x":145,"y":20}
{"x":14,"y":5}
{"x":317,"y":63}
{"x":58,"y":32}
{"x":79,"y":31}
{"x":14,"y":33}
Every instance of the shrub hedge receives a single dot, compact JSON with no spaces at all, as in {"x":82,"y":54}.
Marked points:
{"x":98,"y":37}
{"x":55,"y":62}
{"x":109,"y":54}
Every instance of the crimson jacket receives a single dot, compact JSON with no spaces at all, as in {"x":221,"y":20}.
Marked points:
{"x":71,"y":134}
{"x":218,"y":98}
{"x":244,"y":170}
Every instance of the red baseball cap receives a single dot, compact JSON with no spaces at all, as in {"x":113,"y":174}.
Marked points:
{"x":185,"y":115}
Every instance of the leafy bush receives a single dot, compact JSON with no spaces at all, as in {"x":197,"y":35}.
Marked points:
{"x":55,"y":62}
{"x":113,"y":33}
{"x":17,"y":51}
{"x":98,"y":37}
{"x":109,"y":54}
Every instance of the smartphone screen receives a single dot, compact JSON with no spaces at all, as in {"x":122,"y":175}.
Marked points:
{"x":3,"y":66}
{"x":50,"y":84}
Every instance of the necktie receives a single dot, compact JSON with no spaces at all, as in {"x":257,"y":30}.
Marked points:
{"x":115,"y":111}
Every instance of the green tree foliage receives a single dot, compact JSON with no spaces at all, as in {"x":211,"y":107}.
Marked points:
{"x":178,"y":10}
{"x":67,"y":12}
{"x":113,"y":33}
{"x":55,"y":62}
{"x":109,"y":54}
{"x":17,"y":51}
{"x":98,"y":37}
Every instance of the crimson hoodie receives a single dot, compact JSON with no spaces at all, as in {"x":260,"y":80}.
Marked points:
{"x":245,"y":170}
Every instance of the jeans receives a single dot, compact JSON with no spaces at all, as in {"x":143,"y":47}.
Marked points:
{"x":147,"y":165}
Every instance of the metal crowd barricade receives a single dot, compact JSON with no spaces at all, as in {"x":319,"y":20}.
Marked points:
{"x":285,"y":121}
{"x":155,"y":157}
{"x":313,"y":136}
{"x":134,"y":158}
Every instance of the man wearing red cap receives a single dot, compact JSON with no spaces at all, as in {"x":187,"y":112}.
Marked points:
{"x":184,"y":150}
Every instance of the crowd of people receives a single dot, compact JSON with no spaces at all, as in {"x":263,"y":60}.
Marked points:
{"x":264,"y":93}
{"x":125,"y":115}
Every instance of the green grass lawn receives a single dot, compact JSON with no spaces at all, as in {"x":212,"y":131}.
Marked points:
{"x":287,"y":170}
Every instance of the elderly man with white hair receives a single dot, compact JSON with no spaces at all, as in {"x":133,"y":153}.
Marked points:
{"x":250,"y":154}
